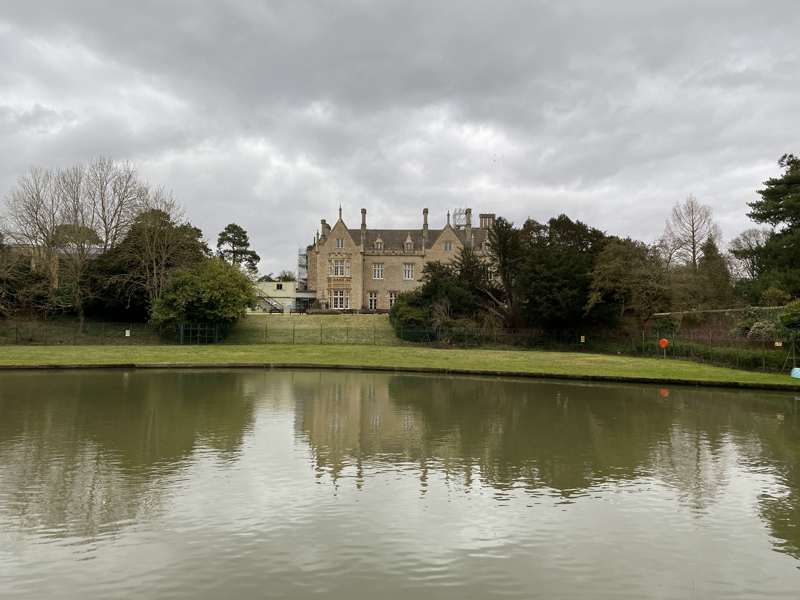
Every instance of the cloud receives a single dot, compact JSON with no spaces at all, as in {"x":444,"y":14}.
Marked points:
{"x":272,"y":114}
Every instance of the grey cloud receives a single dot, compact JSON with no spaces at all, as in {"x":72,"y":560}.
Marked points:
{"x":271,"y":114}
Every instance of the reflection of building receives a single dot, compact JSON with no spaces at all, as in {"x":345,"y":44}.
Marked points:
{"x":349,"y":417}
{"x":368,"y":268}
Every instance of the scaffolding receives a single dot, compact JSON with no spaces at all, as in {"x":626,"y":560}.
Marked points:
{"x":302,"y":269}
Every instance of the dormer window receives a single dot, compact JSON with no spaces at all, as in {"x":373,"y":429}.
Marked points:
{"x":409,"y":244}
{"x":339,"y":243}
{"x":379,"y":244}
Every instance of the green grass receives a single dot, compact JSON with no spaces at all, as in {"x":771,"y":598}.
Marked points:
{"x":312,"y":329}
{"x":408,"y":357}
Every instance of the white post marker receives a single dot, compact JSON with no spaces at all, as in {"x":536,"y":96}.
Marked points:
{"x":127,"y":333}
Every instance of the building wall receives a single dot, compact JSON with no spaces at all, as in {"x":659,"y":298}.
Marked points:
{"x":360,"y":282}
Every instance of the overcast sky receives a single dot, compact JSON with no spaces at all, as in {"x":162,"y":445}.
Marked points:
{"x":270,"y":114}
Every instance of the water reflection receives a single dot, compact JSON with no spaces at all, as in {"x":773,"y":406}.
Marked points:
{"x":350,"y":484}
{"x":84,"y":453}
{"x":564,"y":438}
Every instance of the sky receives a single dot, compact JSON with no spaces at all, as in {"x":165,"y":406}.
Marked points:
{"x":272,"y":114}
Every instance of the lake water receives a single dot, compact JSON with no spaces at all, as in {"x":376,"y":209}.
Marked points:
{"x":343,"y":484}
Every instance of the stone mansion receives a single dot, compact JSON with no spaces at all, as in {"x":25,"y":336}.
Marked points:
{"x":367,"y":268}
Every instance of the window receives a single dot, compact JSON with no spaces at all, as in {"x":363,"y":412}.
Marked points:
{"x":340,"y":267}
{"x":379,"y":245}
{"x":339,"y":243}
{"x":448,"y":246}
{"x":377,"y":271}
{"x":409,"y":246}
{"x":392,"y":298}
{"x":279,"y":286}
{"x":408,"y":271}
{"x":340,"y":299}
{"x":372,"y":301}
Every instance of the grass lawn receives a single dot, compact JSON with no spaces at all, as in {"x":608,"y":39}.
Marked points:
{"x":403,"y":357}
{"x":312,"y":329}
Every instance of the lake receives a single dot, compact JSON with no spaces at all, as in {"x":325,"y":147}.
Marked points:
{"x":346,"y":484}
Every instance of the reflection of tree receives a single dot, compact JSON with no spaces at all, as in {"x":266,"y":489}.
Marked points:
{"x":565,"y":437}
{"x":763,"y":430}
{"x":778,"y":434}
{"x":83,"y":450}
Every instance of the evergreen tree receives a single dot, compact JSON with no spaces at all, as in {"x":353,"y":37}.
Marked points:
{"x":631,"y":275}
{"x":714,"y":288}
{"x":779,"y":206}
{"x":555,"y":277}
{"x":505,"y":258}
{"x":233,"y":246}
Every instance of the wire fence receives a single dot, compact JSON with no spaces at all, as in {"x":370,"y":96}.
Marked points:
{"x":712,"y":347}
{"x":70,"y":332}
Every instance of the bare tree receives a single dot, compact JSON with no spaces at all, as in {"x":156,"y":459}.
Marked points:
{"x":745,"y":249}
{"x":7,"y":266}
{"x":64,"y":219}
{"x":115,"y":194}
{"x":688,"y":228}
{"x":32,"y":219}
{"x":76,"y":235}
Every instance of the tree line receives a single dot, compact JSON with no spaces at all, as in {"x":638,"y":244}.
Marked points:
{"x":564,"y":274}
{"x":97,"y":241}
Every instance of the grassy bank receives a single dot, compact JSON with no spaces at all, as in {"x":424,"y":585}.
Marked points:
{"x":402,"y":357}
{"x":312,"y":329}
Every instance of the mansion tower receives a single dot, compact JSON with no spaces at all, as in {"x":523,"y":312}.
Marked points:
{"x":367,"y":268}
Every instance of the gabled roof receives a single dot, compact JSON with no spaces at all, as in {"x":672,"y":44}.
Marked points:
{"x":395,"y":239}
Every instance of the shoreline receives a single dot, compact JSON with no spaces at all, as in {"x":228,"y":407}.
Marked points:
{"x":529,"y":372}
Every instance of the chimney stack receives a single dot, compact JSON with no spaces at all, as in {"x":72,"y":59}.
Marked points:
{"x":326,"y":229}
{"x":424,"y":229}
{"x":468,"y":228}
{"x":363,"y":228}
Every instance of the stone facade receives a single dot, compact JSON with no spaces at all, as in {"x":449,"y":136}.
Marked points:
{"x":365,"y":269}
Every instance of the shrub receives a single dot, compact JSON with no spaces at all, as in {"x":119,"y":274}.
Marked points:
{"x":791,"y":316}
{"x":774,"y":296}
{"x":765,"y":331}
{"x":212,"y":292}
{"x":411,"y":323}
